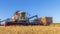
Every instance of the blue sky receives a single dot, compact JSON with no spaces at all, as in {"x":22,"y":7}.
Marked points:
{"x":33,"y":7}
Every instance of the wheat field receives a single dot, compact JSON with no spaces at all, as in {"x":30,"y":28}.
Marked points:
{"x":52,"y":29}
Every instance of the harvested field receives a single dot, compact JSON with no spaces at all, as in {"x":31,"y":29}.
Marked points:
{"x":29,"y":30}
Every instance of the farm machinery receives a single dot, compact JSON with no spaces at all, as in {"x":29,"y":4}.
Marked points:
{"x":20,"y":18}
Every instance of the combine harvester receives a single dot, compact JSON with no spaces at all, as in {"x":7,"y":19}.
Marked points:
{"x":20,"y":18}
